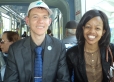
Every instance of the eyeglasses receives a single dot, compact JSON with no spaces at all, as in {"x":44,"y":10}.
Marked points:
{"x":2,"y":42}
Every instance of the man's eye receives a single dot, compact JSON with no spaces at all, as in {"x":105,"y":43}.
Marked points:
{"x":45,"y":17}
{"x":35,"y":17}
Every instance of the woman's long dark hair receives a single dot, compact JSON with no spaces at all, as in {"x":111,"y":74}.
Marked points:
{"x":105,"y":39}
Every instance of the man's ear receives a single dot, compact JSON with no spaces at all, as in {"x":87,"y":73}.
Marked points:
{"x":50,"y":20}
{"x":27,"y":20}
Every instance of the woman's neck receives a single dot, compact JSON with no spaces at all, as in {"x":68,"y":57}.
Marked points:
{"x":90,"y":48}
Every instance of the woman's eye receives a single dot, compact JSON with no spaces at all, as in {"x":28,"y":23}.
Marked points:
{"x":87,"y":26}
{"x":97,"y":28}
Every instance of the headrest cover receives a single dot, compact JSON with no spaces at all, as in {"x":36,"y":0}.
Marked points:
{"x":71,"y":25}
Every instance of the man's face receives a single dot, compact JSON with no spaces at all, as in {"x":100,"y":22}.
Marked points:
{"x":38,"y":21}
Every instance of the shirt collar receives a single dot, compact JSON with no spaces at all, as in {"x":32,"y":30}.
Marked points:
{"x":33,"y":45}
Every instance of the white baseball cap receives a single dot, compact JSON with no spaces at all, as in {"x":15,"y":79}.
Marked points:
{"x":39,"y":4}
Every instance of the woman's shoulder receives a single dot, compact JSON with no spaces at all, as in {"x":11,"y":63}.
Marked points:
{"x":112,"y":47}
{"x":112,"y":44}
{"x":73,"y":50}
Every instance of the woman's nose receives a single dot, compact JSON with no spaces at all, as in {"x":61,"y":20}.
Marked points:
{"x":92,"y":30}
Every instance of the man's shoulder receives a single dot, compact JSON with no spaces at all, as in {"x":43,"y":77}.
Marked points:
{"x":53,"y":39}
{"x":20,"y":43}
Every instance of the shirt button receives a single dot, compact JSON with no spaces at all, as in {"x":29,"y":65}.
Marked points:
{"x":92,"y":60}
{"x":93,"y":67}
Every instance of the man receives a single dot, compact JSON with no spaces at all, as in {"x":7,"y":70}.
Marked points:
{"x":21,"y":58}
{"x":70,"y":38}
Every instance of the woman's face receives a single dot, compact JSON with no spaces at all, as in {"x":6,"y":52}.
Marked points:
{"x":5,"y":43}
{"x":93,"y":31}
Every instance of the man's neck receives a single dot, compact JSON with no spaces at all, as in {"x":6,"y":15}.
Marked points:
{"x":38,"y":39}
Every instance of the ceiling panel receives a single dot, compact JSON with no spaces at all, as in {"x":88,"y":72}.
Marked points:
{"x":107,"y":6}
{"x":62,"y":5}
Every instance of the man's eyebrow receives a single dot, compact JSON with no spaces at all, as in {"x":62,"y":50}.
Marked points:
{"x":34,"y":14}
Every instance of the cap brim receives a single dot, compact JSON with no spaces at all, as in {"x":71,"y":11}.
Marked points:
{"x":49,"y":10}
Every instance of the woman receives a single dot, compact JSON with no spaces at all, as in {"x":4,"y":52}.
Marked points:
{"x":89,"y":59}
{"x":8,"y":38}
